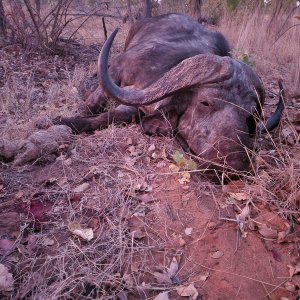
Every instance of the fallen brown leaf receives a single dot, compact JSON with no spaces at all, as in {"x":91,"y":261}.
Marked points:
{"x":85,"y":233}
{"x":204,"y":276}
{"x":159,"y":154}
{"x":185,"y":179}
{"x":244,"y":214}
{"x":81,"y":188}
{"x":48,"y":242}
{"x":267,"y":232}
{"x":68,"y":162}
{"x":272,"y":221}
{"x":173,"y":268}
{"x":137,"y":233}
{"x":294,"y":270}
{"x":162,"y":296}
{"x":19,"y":195}
{"x":162,"y":278}
{"x":217,"y":254}
{"x":290,"y":286}
{"x":188,"y":291}
{"x":239,"y":196}
{"x":6,"y":279}
{"x":151,"y":148}
{"x":174,"y":168}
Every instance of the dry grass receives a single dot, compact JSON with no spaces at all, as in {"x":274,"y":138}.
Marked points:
{"x":273,"y":45}
{"x":277,"y":177}
{"x":36,"y":85}
{"x":70,"y":267}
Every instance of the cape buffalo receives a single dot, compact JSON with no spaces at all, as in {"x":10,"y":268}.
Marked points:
{"x":177,"y":77}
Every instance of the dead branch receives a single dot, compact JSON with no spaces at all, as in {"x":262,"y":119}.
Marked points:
{"x":2,"y":20}
{"x":104,"y":28}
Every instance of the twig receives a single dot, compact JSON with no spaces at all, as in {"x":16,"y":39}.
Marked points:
{"x":284,"y":33}
{"x":104,"y":28}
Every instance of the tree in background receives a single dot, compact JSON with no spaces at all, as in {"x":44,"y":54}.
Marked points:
{"x":2,"y":20}
{"x":129,"y":11}
{"x":197,"y":8}
{"x":49,"y":25}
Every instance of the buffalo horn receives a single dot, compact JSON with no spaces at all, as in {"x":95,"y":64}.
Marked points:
{"x":274,"y":120}
{"x":194,"y":71}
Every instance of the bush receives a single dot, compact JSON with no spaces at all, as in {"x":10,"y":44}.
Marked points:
{"x":41,"y":24}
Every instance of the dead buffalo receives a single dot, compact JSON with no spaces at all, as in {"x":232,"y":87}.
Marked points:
{"x":176,"y":77}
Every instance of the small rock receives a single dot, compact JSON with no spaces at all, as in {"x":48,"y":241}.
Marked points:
{"x":188,"y":231}
{"x":129,"y":141}
{"x":151,"y":148}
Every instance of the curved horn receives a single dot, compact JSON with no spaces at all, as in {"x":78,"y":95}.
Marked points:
{"x":197,"y":70}
{"x":274,"y":120}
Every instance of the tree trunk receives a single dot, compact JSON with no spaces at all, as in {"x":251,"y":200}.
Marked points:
{"x":2,"y":20}
{"x":197,"y":5}
{"x":129,"y":11}
{"x":104,"y":28}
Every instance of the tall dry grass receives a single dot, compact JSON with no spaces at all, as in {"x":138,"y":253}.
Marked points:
{"x":272,"y":41}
